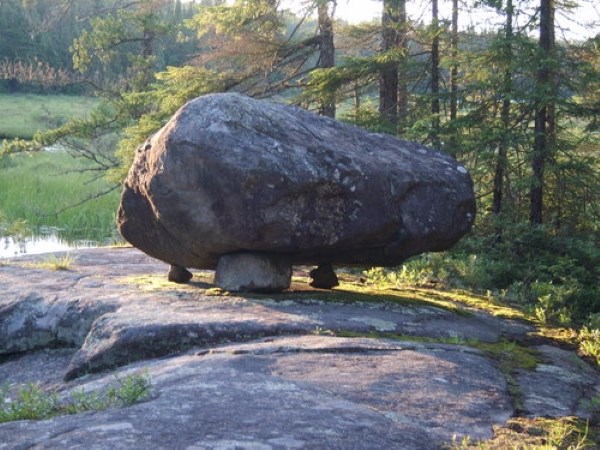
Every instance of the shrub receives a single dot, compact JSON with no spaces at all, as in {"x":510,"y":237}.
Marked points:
{"x":551,"y":276}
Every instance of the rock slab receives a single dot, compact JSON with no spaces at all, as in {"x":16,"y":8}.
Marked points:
{"x":231,"y":174}
{"x":290,"y":393}
{"x":261,"y":371}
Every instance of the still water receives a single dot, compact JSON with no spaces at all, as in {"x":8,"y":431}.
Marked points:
{"x":11,"y":247}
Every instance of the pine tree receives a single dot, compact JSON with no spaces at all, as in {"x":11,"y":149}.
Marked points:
{"x":545,"y":110}
{"x":326,"y":52}
{"x":388,"y":81}
{"x":435,"y":76}
{"x":499,"y":174}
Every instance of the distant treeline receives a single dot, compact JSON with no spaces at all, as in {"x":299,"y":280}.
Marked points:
{"x":37,"y":38}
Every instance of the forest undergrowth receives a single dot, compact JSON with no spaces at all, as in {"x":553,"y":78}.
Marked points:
{"x":553,"y":279}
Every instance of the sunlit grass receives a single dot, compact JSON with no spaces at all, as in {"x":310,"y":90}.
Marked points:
{"x":586,"y":340}
{"x":536,"y":434}
{"x":53,"y":263}
{"x":153,"y":283}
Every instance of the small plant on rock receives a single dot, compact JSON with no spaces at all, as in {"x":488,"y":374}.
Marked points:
{"x":567,"y":433}
{"x":54,"y":263}
{"x":32,"y":403}
{"x":130,"y":390}
{"x":589,"y":343}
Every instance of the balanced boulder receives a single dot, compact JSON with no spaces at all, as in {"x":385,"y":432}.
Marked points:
{"x":230,"y":174}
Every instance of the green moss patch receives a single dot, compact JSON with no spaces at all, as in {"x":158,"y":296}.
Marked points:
{"x":349,"y":292}
{"x":155,"y":282}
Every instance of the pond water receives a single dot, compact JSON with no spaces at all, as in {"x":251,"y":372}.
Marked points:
{"x":11,"y":246}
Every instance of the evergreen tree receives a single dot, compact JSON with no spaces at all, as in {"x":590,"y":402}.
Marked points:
{"x":545,"y":111}
{"x":504,"y":142}
{"x":14,"y":31}
{"x":454,"y":39}
{"x":435,"y":76}
{"x":326,"y":51}
{"x":121,"y":45}
{"x":388,"y":81}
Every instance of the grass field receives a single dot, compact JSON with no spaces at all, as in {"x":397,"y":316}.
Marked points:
{"x":40,"y":188}
{"x":21,"y":115}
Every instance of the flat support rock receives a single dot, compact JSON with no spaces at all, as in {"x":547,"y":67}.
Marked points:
{"x":257,"y":272}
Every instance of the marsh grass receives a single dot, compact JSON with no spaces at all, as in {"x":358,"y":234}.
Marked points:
{"x":21,"y":115}
{"x":38,"y":191}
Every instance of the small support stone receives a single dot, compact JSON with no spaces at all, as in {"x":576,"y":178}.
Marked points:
{"x":260,"y":272}
{"x":178,"y":274}
{"x":324,"y":277}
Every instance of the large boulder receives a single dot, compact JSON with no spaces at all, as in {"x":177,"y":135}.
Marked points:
{"x":229,"y":174}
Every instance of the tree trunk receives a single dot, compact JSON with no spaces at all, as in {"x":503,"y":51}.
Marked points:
{"x":454,"y":68}
{"x":402,"y":85}
{"x":326,"y":53}
{"x":501,"y":162}
{"x":544,"y":116}
{"x":388,"y":79}
{"x":357,"y":95}
{"x":148,"y":41}
{"x":435,"y":77}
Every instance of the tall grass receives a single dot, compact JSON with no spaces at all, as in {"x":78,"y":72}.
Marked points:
{"x":21,"y":115}
{"x":42,"y":188}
